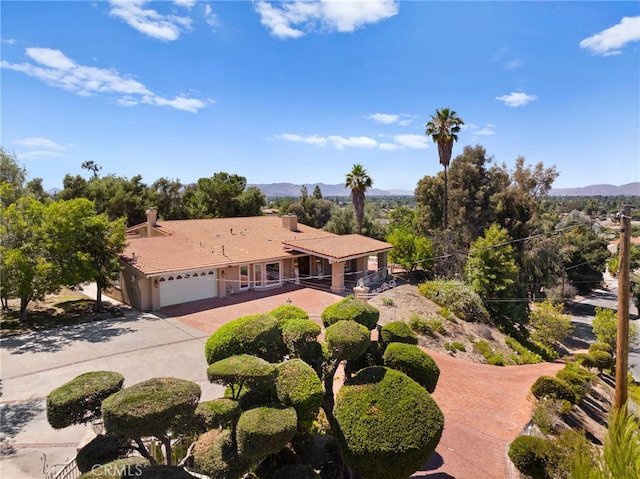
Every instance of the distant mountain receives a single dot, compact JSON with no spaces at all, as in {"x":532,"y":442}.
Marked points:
{"x":630,"y":189}
{"x":293,"y":190}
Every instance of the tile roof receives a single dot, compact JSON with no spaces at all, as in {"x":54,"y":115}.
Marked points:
{"x":210,"y":243}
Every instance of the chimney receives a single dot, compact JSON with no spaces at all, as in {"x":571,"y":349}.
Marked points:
{"x":152,"y":216}
{"x":290,"y":222}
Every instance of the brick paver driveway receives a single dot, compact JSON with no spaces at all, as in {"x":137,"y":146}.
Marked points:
{"x":485,"y":407}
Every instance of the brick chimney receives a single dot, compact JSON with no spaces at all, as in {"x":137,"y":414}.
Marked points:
{"x":290,"y":222}
{"x":152,"y":217}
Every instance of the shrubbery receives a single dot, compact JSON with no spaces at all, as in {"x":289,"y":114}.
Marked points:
{"x":102,"y":449}
{"x":217,"y":413}
{"x":428,"y":327}
{"x":299,"y":336}
{"x":414,"y":362}
{"x":114,"y":469}
{"x":463,"y":301}
{"x":80,"y":400}
{"x":347,"y":339}
{"x":242,"y":370}
{"x":351,"y":309}
{"x":552,"y":387}
{"x":298,"y":386}
{"x":286,"y":312}
{"x":215,"y":455}
{"x":398,"y":332}
{"x":532,"y":456}
{"x":265,"y":430}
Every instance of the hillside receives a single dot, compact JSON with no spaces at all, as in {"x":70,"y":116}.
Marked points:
{"x":630,"y":189}
{"x":293,"y":190}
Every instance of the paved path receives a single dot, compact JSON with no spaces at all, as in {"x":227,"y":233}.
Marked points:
{"x":479,"y":420}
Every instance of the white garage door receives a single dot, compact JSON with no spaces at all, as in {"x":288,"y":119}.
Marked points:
{"x":177,"y":289}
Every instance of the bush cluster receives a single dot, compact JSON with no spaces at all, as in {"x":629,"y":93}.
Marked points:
{"x":353,"y":309}
{"x":102,"y":449}
{"x":299,"y":336}
{"x":414,"y":362}
{"x":460,"y":298}
{"x":80,"y":400}
{"x":533,"y":456}
{"x":427,"y":327}
{"x":298,"y":386}
{"x":216,"y":456}
{"x":525,"y":356}
{"x":286,"y":312}
{"x":554,"y":388}
{"x":347,"y":339}
{"x":398,"y":332}
{"x":242,"y":370}
{"x":217,"y":413}
{"x":265,"y":430}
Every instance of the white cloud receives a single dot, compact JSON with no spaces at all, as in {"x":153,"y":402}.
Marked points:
{"x":516,"y":99}
{"x":210,"y":17}
{"x":311,"y":140}
{"x":610,"y":41}
{"x":39,"y":142}
{"x":149,"y":22}
{"x":384,"y":118}
{"x":416,"y":142}
{"x":185,"y":3}
{"x":9,"y":41}
{"x":294,"y":19}
{"x":339,"y":142}
{"x":390,"y":146}
{"x":404,"y":122}
{"x":57,"y":70}
{"x":487,"y":131}
{"x":40,"y":155}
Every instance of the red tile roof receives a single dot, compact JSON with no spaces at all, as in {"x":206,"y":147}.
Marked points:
{"x":339,"y":247}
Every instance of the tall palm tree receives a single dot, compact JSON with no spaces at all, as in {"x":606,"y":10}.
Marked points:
{"x":358,"y":181}
{"x":443,"y":129}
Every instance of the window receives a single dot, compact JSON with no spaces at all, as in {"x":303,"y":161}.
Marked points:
{"x":244,"y":277}
{"x":273,"y":273}
{"x":267,"y":274}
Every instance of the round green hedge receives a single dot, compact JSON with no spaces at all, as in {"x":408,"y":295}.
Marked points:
{"x":217,"y":413}
{"x":389,"y":425}
{"x":600,"y":347}
{"x":242,"y":370}
{"x":576,"y":382}
{"x":298,"y":386}
{"x":601,"y":360}
{"x":552,"y":387}
{"x":265,"y":430}
{"x":286,"y":312}
{"x":80,"y":400}
{"x":295,"y":471}
{"x":532,"y":456}
{"x":115,"y":469}
{"x":150,"y":408}
{"x":351,"y":309}
{"x":347,"y":339}
{"x":297,"y":335}
{"x":398,"y":332}
{"x":414,"y":362}
{"x":257,"y":334}
{"x":102,"y":449}
{"x":216,"y":456}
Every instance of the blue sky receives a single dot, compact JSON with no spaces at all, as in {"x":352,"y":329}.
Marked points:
{"x":300,"y":91}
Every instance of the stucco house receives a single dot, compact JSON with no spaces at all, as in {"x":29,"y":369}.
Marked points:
{"x":178,"y":261}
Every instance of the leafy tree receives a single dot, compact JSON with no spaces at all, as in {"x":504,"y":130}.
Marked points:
{"x":550,"y":324}
{"x":443,"y":129}
{"x":12,"y":178}
{"x":409,"y":250}
{"x":250,"y":202}
{"x":317,"y":193}
{"x":492,"y":272}
{"x":91,"y":166}
{"x":358,"y":181}
{"x":584,"y":255}
{"x":314,"y":212}
{"x":342,"y":222}
{"x":605,"y":327}
{"x":167,"y":196}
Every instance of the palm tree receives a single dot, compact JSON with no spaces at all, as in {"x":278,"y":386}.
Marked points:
{"x":358,"y":181}
{"x":443,"y":129}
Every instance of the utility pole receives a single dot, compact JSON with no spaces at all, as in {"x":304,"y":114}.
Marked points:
{"x":622,"y":348}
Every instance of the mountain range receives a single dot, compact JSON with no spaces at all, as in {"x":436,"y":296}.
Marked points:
{"x":292,"y":190}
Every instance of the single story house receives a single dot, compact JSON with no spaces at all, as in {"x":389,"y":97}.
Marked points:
{"x":173,"y":262}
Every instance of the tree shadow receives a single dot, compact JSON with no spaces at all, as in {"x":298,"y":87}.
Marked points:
{"x":581,"y":336}
{"x":435,"y":462}
{"x":14,"y":418}
{"x":54,"y":340}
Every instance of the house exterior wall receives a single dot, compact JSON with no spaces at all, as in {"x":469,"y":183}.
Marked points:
{"x":137,"y":291}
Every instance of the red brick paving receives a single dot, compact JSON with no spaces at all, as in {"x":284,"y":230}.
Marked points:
{"x":485,"y":407}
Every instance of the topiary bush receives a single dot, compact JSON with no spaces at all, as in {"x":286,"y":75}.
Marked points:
{"x":242,"y":370}
{"x":286,"y":312}
{"x":265,"y":430}
{"x":414,"y":362}
{"x":347,"y":339}
{"x":600,"y":347}
{"x":577,"y":382}
{"x":388,"y":424}
{"x":554,"y":388}
{"x":299,"y":336}
{"x":80,"y":400}
{"x":215,"y":455}
{"x":217,"y":413}
{"x":298,"y":386}
{"x":257,"y":334}
{"x":601,"y":360}
{"x":102,"y":449}
{"x":533,"y":456}
{"x":398,"y":332}
{"x":157,"y":472}
{"x":460,"y":298}
{"x":352,"y":309}
{"x":115,"y":469}
{"x":150,"y":408}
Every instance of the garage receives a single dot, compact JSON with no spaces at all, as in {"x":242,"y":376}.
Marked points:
{"x":189,"y":287}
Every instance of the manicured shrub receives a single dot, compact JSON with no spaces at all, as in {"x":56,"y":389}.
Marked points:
{"x":256,"y":334}
{"x":351,"y":309}
{"x":265,"y":430}
{"x":601,"y":360}
{"x":414,"y":362}
{"x":102,"y":449}
{"x":388,"y":424}
{"x":299,"y":335}
{"x":286,"y":312}
{"x":298,"y":386}
{"x":295,"y":471}
{"x":150,"y":408}
{"x":216,"y":456}
{"x":115,"y":469}
{"x":600,"y":347}
{"x":398,"y":332}
{"x":347,"y":339}
{"x":576,"y":382}
{"x":217,"y":413}
{"x":532,"y":456}
{"x":239,"y":371}
{"x":554,"y":388}
{"x":80,"y":400}
{"x":157,"y":472}
{"x":460,"y":298}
